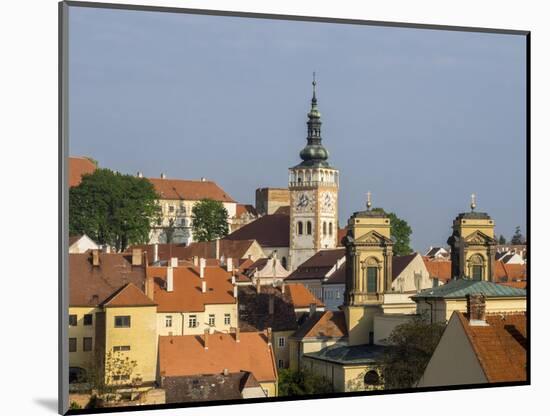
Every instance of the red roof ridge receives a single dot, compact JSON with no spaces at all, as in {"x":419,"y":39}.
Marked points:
{"x":134,"y":297}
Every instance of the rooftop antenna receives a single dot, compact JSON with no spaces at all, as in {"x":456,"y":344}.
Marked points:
{"x":473,"y":203}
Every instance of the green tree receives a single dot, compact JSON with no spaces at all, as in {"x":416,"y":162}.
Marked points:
{"x":113,"y":209}
{"x":302,"y":382}
{"x":400,"y":232}
{"x":411,"y":347}
{"x":209,"y":220}
{"x":501,"y":240}
{"x":517,"y":238}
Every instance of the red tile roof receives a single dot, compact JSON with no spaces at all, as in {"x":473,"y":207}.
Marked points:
{"x":440,"y":269}
{"x":186,"y":355}
{"x":328,"y":324}
{"x":501,"y":346}
{"x":509,"y":272}
{"x":187,"y":293}
{"x":189,"y":190}
{"x":300,"y":296}
{"x":269,"y":231}
{"x":246,"y":209}
{"x":129,"y":295}
{"x":79,"y":166}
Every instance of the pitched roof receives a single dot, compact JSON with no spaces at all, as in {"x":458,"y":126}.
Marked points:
{"x":301,"y":297}
{"x":440,"y":269}
{"x":317,"y":266}
{"x":338,"y":276}
{"x":509,"y":272}
{"x":350,"y":355}
{"x":79,"y":166}
{"x":246,"y":209}
{"x":254,"y":309}
{"x":181,"y":189}
{"x":73,"y":239}
{"x":91,"y":285}
{"x":327,"y":324}
{"x":500,"y":346}
{"x":522,"y":284}
{"x":128,"y":295}
{"x":185,"y":355}
{"x":459,"y":288}
{"x":400,"y":262}
{"x":187,"y":293}
{"x":269,"y":231}
{"x":284,"y":210}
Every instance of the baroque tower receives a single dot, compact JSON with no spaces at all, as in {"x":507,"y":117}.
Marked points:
{"x":313,"y":186}
{"x":473,"y":245}
{"x":369,"y":254}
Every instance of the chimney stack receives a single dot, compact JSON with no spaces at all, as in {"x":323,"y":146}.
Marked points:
{"x":203,"y":286}
{"x":217,"y":242}
{"x":169,"y":279}
{"x":233,"y":279}
{"x":202,"y":265}
{"x":95,"y":257}
{"x":155,"y":253}
{"x":149,"y":287}
{"x":162,"y":176}
{"x":268,"y":333}
{"x":203,"y":179}
{"x":476,"y":309}
{"x":258,"y":285}
{"x":271,"y":304}
{"x":312,"y":308}
{"x":206,"y":333}
{"x":174,"y":261}
{"x":140,"y":175}
{"x":195,"y":261}
{"x":237,"y":334}
{"x":136,"y":257}
{"x":283,"y":288}
{"x":235,"y":292}
{"x":229,"y":264}
{"x":225,"y":372}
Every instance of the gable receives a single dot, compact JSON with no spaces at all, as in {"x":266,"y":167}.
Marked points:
{"x":479,"y":238}
{"x":372,"y":237}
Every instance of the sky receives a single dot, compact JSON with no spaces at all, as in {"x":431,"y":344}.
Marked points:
{"x":420,"y":118}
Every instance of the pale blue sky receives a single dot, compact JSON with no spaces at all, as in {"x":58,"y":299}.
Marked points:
{"x":421,"y":118}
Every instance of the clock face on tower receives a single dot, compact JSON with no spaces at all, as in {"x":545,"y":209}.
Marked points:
{"x":304,"y":202}
{"x":327,"y":202}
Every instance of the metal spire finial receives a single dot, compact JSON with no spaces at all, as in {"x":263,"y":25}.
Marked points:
{"x":314,"y":83}
{"x":369,"y":202}
{"x":473,"y":203}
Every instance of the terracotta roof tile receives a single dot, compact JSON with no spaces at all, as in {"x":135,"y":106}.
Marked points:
{"x":501,"y":346}
{"x":79,"y":166}
{"x":181,"y":189}
{"x":128,"y":295}
{"x":300,"y":296}
{"x":440,"y":269}
{"x":185,"y":355}
{"x":509,"y":272}
{"x":269,"y":231}
{"x":328,"y":324}
{"x":246,"y":209}
{"x":187,"y":293}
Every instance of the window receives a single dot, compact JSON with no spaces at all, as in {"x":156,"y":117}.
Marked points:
{"x":119,"y":348}
{"x":329,"y":228}
{"x":477,"y":272}
{"x":308,"y":228}
{"x":171,"y":208}
{"x":72,"y":320}
{"x":193,"y":321}
{"x":211,"y":319}
{"x":281,"y":364}
{"x":372,"y":277}
{"x":371,"y":378}
{"x":122,"y":321}
{"x":121,"y":377}
{"x":168,"y":321}
{"x":281,"y":341}
{"x":300,"y":228}
{"x":88,"y":319}
{"x":72,"y":344}
{"x":227,"y":319}
{"x":87,"y":344}
{"x":324,"y":228}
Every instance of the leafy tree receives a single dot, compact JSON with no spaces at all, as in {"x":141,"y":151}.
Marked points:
{"x":501,"y":240}
{"x":209,"y":220}
{"x":113,"y":209}
{"x":302,"y":382}
{"x":400,"y":232}
{"x":517,"y":238}
{"x":74,"y":405}
{"x":170,"y":230}
{"x":411,"y":347}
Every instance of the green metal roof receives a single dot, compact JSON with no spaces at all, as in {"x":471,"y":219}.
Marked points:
{"x":346,"y":355}
{"x":459,"y":288}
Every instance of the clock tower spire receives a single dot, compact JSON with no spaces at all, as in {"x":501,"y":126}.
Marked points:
{"x":313,"y":186}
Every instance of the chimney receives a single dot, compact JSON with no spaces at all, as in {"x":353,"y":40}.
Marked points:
{"x":233,"y":279}
{"x":271,"y":304}
{"x":268,"y":333}
{"x":258,"y":285}
{"x":155,"y":253}
{"x":140,"y":175}
{"x":162,"y":176}
{"x":202,"y":265}
{"x":235,"y":292}
{"x":203,"y":179}
{"x":476,"y":309}
{"x":206,"y":333}
{"x":312,"y":308}
{"x":283,"y":288}
{"x":237,"y":334}
{"x":169,"y":279}
{"x":136,"y":257}
{"x":174,"y":261}
{"x":225,"y":372}
{"x":195,"y":261}
{"x":95,"y":257}
{"x":149,"y":287}
{"x":217,"y":254}
{"x":229,"y":264}
{"x":203,"y":286}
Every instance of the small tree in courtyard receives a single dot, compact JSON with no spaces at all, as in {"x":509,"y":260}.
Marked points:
{"x":209,"y":220}
{"x":302,"y":382}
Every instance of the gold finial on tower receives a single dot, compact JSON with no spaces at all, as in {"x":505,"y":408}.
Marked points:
{"x":369,"y":202}
{"x":473,"y":203}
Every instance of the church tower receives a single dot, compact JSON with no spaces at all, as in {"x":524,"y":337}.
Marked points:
{"x":313,"y":186}
{"x":473,"y":245}
{"x":369,"y":254}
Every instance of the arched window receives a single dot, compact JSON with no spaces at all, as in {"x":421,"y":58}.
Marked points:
{"x":329,"y":228}
{"x":283,"y":262}
{"x":371,"y":275}
{"x":324,"y":228}
{"x":308,"y":227}
{"x":371,"y":378}
{"x":476,"y":264}
{"x":300,"y":228}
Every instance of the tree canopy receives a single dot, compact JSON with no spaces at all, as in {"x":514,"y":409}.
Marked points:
{"x":302,"y":382}
{"x":502,"y":240}
{"x":412,"y":345}
{"x":113,"y":209}
{"x":209,"y":220}
{"x":517,"y":238}
{"x":400,"y":232}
